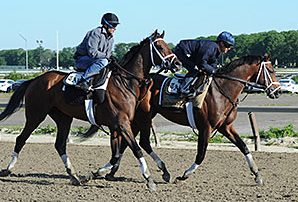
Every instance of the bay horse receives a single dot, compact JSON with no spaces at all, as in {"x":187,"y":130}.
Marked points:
{"x":218,"y":112}
{"x":125,"y":90}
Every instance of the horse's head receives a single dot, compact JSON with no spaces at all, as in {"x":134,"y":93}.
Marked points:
{"x":266,"y":77}
{"x":161,"y":54}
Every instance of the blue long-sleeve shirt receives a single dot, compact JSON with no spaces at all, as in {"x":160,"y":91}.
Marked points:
{"x":201,"y":53}
{"x":96,"y":44}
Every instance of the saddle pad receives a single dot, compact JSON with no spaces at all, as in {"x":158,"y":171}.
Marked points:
{"x":73,"y":78}
{"x":176,"y":82}
{"x":174,"y":100}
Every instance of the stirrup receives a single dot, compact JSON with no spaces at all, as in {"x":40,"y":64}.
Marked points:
{"x":84,"y":86}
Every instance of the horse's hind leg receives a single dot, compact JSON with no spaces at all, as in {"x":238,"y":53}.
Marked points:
{"x":32,"y":121}
{"x":146,"y":145}
{"x":63,"y":126}
{"x":144,"y":128}
{"x":234,"y":137}
{"x":203,"y":138}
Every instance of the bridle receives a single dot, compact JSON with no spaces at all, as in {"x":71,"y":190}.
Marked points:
{"x":267,"y":77}
{"x":165,"y":59}
{"x":263,"y":69}
{"x":268,"y":83}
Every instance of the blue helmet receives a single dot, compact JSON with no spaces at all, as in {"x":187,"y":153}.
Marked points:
{"x":226,"y":37}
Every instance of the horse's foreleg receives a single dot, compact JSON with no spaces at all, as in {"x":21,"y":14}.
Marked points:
{"x":133,"y":145}
{"x":233,"y":136}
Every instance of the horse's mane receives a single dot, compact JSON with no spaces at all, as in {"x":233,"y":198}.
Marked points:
{"x":249,"y":59}
{"x":132,"y":51}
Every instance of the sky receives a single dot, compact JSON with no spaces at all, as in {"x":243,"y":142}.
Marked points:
{"x":67,"y":21}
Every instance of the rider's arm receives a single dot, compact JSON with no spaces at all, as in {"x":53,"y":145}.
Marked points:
{"x":209,"y":61}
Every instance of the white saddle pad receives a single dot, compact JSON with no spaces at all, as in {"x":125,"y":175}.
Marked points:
{"x":73,"y":78}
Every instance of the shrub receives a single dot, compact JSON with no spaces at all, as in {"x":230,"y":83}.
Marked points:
{"x":287,"y":131}
{"x":17,"y":76}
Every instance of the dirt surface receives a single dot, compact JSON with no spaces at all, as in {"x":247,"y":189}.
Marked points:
{"x":39,"y":175}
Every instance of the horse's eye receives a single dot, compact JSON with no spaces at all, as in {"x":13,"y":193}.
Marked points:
{"x":158,"y":47}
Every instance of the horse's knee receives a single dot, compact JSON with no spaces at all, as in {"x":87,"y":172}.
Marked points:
{"x":145,"y":144}
{"x":60,"y":148}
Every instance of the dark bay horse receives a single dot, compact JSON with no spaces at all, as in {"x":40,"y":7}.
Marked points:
{"x":44,"y":96}
{"x":218,"y":112}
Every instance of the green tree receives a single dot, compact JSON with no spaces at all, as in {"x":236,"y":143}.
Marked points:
{"x":66,"y":57}
{"x":121,"y":49}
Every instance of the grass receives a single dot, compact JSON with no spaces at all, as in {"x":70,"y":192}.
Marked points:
{"x":270,"y":136}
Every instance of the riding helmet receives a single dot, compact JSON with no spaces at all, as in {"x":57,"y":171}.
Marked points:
{"x":226,"y":37}
{"x":110,"y":19}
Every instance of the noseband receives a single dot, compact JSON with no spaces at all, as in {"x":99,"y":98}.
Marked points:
{"x":166,"y":60}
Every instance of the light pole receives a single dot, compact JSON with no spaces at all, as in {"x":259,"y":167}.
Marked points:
{"x":39,"y":42}
{"x":26,"y":49}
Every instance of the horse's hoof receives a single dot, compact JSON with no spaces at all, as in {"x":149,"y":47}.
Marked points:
{"x":75,"y":181}
{"x":99,"y":174}
{"x":181,"y":178}
{"x":110,"y":177}
{"x":151,"y":185}
{"x":5,"y":173}
{"x":259,"y":181}
{"x":166,"y":176}
{"x":85,"y":179}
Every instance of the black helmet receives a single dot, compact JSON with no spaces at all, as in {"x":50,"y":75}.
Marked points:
{"x":110,"y":19}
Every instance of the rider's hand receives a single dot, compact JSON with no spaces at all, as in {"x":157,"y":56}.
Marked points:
{"x":112,"y":59}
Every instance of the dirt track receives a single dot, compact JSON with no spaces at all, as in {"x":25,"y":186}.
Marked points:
{"x":39,"y":174}
{"x":224,"y":176}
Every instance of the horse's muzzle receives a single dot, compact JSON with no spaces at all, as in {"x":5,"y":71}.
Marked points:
{"x":273,"y":92}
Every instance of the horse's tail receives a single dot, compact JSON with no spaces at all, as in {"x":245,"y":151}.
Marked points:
{"x":16,"y":100}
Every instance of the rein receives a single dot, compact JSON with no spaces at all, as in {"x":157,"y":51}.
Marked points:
{"x":268,"y":84}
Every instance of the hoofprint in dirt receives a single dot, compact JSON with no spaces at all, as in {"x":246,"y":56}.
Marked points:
{"x":39,"y":175}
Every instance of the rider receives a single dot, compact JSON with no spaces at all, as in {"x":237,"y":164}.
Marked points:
{"x":93,"y":53}
{"x":202,"y":55}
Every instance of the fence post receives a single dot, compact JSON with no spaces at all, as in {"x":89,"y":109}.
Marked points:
{"x":255,"y":130}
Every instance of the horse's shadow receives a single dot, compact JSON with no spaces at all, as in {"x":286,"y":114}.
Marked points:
{"x":125,"y":179}
{"x":41,"y":179}
{"x":27,"y":178}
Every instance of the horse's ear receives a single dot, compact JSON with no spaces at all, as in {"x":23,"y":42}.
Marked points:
{"x":267,"y":57}
{"x":154,"y":34}
{"x":162,"y":34}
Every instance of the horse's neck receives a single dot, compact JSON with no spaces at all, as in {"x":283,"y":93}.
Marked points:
{"x":231,"y":89}
{"x":137,"y":66}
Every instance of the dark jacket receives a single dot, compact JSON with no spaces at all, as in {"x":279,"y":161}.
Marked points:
{"x":201,"y":53}
{"x":96,"y":44}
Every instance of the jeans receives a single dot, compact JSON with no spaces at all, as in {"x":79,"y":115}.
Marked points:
{"x":91,"y":66}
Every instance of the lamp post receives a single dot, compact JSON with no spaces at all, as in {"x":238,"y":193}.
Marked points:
{"x":26,"y":49}
{"x":39,"y":42}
